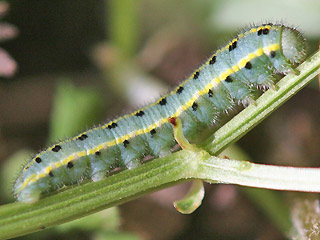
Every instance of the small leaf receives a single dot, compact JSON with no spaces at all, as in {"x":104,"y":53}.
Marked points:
{"x":192,"y":200}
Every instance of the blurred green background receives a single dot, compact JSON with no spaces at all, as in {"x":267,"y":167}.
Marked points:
{"x":83,"y":62}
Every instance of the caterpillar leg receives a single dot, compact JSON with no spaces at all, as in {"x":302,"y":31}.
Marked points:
{"x":294,"y":71}
{"x":193,"y":198}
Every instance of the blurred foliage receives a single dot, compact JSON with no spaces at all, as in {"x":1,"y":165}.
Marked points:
{"x":305,"y":218}
{"x":74,"y":109}
{"x":12,"y":164}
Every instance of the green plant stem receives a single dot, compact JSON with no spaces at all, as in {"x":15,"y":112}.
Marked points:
{"x":18,"y":218}
{"x":123,"y":27}
{"x":218,"y":170}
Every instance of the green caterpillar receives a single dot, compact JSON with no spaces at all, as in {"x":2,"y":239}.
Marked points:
{"x":231,"y":79}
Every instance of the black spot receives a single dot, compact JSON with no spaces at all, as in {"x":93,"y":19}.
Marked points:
{"x":234,"y":44}
{"x":248,"y":65}
{"x":70,"y":165}
{"x":273,"y":54}
{"x":265,"y":31}
{"x":82,"y":137}
{"x":125,"y":143}
{"x":259,"y":32}
{"x":50,"y":174}
{"x":113,"y":125}
{"x":213,"y":60}
{"x":26,"y":168}
{"x":180,"y":89}
{"x":153,"y":132}
{"x":140,"y":113}
{"x":56,"y":148}
{"x":97,"y":153}
{"x":229,"y":79}
{"x":194,"y":106}
{"x":210,"y":93}
{"x":163,"y":102}
{"x":196,"y":75}
{"x":38,"y":160}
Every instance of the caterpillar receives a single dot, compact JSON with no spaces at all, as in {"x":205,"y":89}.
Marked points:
{"x":232,"y":78}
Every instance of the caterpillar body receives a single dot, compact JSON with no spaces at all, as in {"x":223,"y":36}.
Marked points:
{"x":231,"y":78}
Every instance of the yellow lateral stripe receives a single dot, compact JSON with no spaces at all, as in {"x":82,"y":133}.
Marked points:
{"x":214,"y":82}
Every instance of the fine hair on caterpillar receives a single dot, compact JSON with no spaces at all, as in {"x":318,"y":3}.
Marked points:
{"x":232,"y":78}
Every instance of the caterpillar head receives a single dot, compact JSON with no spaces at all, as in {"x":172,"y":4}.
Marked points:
{"x":294,"y":46}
